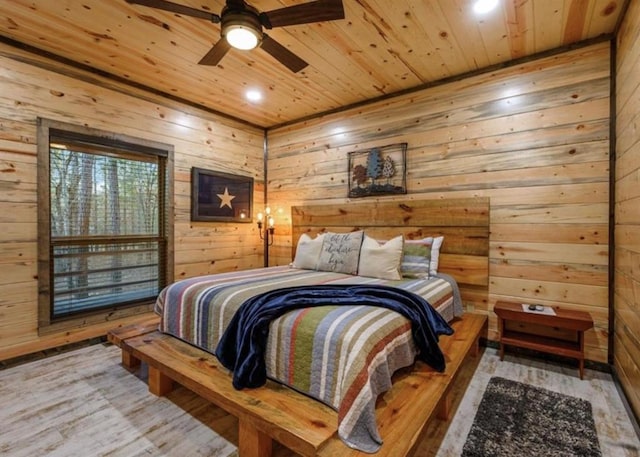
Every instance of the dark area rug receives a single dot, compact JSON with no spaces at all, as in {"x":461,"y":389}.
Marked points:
{"x":516,"y":419}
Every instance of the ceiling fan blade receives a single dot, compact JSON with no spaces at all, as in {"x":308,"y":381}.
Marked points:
{"x":216,"y":53}
{"x":320,"y":10}
{"x":175,"y":8}
{"x":282,"y":54}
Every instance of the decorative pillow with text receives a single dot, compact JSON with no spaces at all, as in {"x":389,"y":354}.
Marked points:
{"x":340,"y":252}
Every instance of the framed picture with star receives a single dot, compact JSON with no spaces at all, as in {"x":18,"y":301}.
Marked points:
{"x":220,"y":197}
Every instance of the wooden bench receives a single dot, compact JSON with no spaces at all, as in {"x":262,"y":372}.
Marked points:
{"x":118,"y":335}
{"x":275,"y":412}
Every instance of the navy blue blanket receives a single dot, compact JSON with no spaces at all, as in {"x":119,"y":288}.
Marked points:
{"x":241,"y":348}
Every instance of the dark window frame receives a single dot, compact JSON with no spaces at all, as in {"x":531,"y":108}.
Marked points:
{"x":48,"y":129}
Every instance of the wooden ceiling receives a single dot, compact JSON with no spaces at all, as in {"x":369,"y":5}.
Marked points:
{"x":380,"y":48}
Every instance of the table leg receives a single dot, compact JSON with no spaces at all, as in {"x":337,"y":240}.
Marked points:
{"x":581,"y":343}
{"x":501,"y":332}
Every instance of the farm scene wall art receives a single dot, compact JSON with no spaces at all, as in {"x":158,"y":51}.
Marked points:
{"x":378,"y":171}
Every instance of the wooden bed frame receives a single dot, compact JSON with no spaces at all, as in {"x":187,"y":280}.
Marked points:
{"x":464,"y":223}
{"x":306,"y":426}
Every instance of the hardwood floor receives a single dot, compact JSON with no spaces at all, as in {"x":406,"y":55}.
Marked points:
{"x":83,"y":403}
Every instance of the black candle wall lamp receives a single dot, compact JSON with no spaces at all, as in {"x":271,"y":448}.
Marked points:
{"x":266,"y":229}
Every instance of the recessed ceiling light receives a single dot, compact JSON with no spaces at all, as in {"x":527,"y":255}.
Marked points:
{"x":484,"y":6}
{"x":253,"y":95}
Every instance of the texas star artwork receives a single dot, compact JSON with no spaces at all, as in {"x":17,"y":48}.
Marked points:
{"x":220,"y":196}
{"x":225,"y":199}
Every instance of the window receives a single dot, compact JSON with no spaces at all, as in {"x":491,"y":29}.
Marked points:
{"x":105,"y":224}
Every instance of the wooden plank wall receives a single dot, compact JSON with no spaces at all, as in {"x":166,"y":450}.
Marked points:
{"x":626,"y":342}
{"x":533,"y":137}
{"x":29,"y":88}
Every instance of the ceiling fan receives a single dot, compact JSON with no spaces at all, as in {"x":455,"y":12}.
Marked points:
{"x":241,"y":26}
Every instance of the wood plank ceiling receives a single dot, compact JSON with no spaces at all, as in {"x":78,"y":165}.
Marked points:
{"x":380,"y":48}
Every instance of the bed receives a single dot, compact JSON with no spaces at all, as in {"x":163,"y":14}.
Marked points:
{"x":323,"y":352}
{"x":198,"y":310}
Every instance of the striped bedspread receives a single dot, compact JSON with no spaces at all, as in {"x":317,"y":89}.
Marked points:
{"x":343,"y":356}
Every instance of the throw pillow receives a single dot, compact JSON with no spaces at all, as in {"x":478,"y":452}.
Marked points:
{"x":421,"y":257}
{"x":381,"y":261}
{"x":417,"y":258}
{"x":307,"y":252}
{"x":340,"y":252}
{"x":435,"y":254}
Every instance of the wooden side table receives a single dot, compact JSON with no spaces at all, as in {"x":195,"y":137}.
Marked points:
{"x":552,"y":340}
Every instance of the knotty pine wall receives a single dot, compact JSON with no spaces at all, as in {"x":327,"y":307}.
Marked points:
{"x":626,"y":344}
{"x":33,"y":86}
{"x":533,"y":137}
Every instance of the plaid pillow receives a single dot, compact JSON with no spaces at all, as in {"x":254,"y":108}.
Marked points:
{"x":417,"y":258}
{"x":421,"y":257}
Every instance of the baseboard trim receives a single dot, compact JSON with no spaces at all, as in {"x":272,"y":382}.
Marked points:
{"x":556,"y":359}
{"x":635,"y":420}
{"x":43,"y":354}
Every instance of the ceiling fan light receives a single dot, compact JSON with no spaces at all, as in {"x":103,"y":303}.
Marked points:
{"x":241,"y":37}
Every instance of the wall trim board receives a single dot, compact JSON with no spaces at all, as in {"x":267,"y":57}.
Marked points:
{"x":440,"y":82}
{"x":635,"y":420}
{"x":556,"y":359}
{"x":95,"y":76}
{"x":103,"y":74}
{"x":612,"y":200}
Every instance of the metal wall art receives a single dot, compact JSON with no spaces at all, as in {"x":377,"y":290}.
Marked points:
{"x":378,"y":171}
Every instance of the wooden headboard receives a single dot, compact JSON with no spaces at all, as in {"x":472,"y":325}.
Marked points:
{"x":464,"y":223}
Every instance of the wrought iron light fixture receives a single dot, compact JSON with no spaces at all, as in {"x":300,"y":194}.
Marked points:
{"x":266,"y":234}
{"x":266,"y":231}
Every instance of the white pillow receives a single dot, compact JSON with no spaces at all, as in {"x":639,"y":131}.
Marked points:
{"x":435,"y":254}
{"x":308,"y":252}
{"x":381,"y":261}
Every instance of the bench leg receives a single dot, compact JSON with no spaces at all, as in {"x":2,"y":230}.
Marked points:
{"x":444,"y":408}
{"x":129,"y":361}
{"x":159,"y":383}
{"x":252,"y":442}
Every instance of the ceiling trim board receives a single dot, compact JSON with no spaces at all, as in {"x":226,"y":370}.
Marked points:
{"x":123,"y":81}
{"x":84,"y":69}
{"x":440,"y":82}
